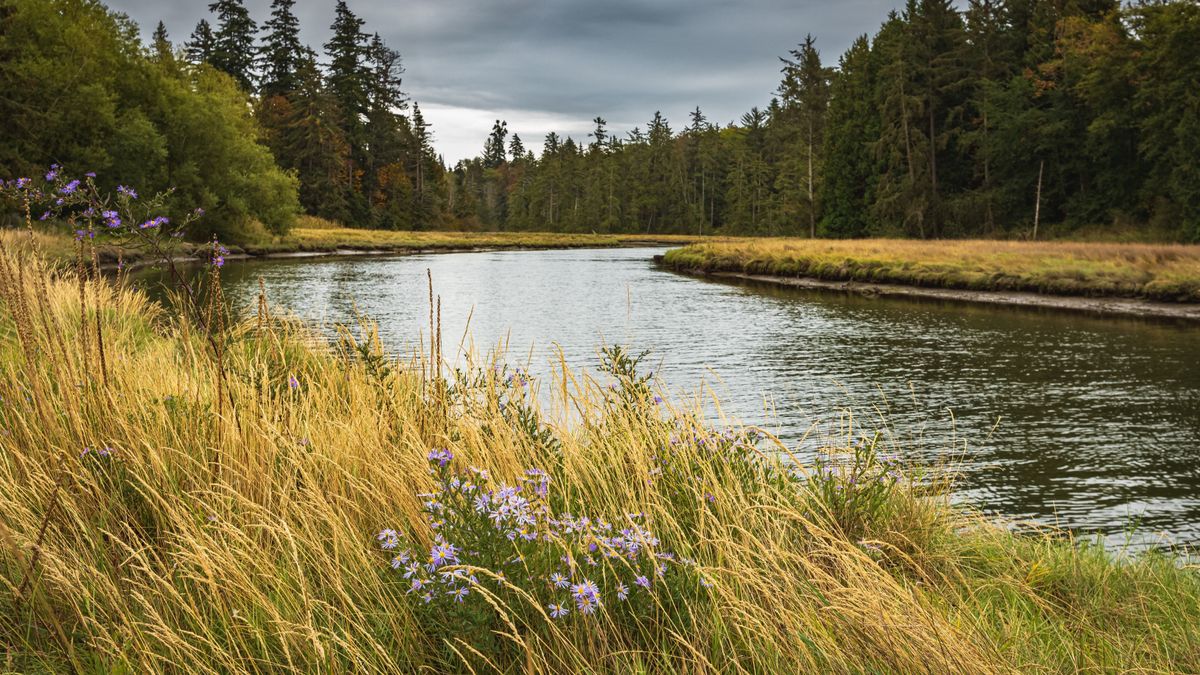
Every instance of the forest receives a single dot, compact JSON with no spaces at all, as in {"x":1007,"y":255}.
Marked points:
{"x":1078,"y":117}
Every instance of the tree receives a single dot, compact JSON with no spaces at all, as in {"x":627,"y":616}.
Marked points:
{"x":494,"y":146}
{"x":805,"y":100}
{"x":202,"y":44}
{"x":852,"y":125}
{"x":281,"y":50}
{"x":233,"y":49}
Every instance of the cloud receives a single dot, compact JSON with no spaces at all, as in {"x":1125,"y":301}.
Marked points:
{"x":562,"y":62}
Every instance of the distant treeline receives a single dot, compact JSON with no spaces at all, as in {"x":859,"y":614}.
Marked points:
{"x":987,"y":121}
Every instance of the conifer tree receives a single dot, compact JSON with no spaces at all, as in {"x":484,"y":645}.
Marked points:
{"x":200,"y":46}
{"x":281,"y":50}
{"x":233,"y":42}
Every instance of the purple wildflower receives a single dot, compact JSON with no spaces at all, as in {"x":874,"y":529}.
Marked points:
{"x":127,"y":192}
{"x":459,"y":595}
{"x":643,"y":582}
{"x":559,"y":581}
{"x":53,"y":172}
{"x":557,"y":611}
{"x":293,"y":383}
{"x":70,"y":188}
{"x":622,"y":591}
{"x":388,"y":539}
{"x":111,"y":218}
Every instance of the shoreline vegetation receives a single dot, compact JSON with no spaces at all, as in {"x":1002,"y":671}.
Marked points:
{"x":1159,"y":273}
{"x":1118,"y":279}
{"x":270,"y":500}
{"x":317,"y":237}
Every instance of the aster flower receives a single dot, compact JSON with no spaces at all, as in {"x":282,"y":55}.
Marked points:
{"x":70,"y":188}
{"x":459,"y":594}
{"x":53,"y":172}
{"x":559,"y":581}
{"x":127,"y":192}
{"x":388,"y":539}
{"x":642,"y":581}
{"x":622,"y":591}
{"x":111,"y":218}
{"x":557,"y":611}
{"x":293,"y":383}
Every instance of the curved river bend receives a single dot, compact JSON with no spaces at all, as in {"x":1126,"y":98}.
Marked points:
{"x":1083,"y":422}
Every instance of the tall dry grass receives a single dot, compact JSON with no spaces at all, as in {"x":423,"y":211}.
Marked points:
{"x":196,"y":514}
{"x":1168,"y":272}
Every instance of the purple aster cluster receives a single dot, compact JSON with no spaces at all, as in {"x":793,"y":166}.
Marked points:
{"x":91,"y":214}
{"x":574,"y":563}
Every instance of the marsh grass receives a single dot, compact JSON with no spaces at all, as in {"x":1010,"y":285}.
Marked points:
{"x":1166,"y":272}
{"x":313,"y":234}
{"x":157,"y":521}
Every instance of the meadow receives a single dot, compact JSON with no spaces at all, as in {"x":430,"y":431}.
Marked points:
{"x":1162,"y":272}
{"x":191,"y":490}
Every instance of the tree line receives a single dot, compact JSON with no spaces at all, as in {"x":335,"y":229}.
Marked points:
{"x":994,"y":120}
{"x":990,"y":121}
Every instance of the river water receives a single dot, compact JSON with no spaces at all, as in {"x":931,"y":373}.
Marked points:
{"x":1089,"y":423}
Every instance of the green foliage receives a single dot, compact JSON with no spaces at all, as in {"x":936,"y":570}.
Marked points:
{"x":80,"y":90}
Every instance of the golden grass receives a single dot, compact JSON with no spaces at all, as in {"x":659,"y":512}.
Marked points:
{"x":232,"y":527}
{"x":316,"y":234}
{"x":1167,"y":272}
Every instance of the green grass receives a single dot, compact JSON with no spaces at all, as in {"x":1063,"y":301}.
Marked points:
{"x":232,"y":529}
{"x":1163,"y":272}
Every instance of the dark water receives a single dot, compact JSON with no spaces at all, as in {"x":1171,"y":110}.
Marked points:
{"x":1060,"y":418}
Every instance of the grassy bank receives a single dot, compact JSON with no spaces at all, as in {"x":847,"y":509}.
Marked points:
{"x":1165,"y":272}
{"x":314,"y":235}
{"x":269,"y":501}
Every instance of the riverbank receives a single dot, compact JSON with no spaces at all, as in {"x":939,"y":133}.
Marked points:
{"x":1143,"y":272}
{"x":315,"y":237}
{"x":1130,"y":307}
{"x":266,"y":501}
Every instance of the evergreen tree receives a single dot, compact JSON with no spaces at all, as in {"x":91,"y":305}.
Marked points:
{"x":804,"y":99}
{"x":202,"y":44}
{"x":161,"y":41}
{"x":852,"y":125}
{"x":494,"y":146}
{"x":233,"y":49}
{"x":281,"y":50}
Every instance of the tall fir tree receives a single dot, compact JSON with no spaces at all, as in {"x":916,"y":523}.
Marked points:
{"x":281,"y":50}
{"x":233,"y":42}
{"x":199,"y":48}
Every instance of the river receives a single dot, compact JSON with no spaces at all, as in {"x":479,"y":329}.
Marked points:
{"x":1088,"y":423}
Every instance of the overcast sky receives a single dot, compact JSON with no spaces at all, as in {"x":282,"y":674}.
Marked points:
{"x":553,"y":65}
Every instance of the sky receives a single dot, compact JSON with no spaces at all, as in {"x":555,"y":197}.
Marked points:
{"x":554,"y":65}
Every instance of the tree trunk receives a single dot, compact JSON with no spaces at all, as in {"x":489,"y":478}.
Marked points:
{"x":1037,"y":204}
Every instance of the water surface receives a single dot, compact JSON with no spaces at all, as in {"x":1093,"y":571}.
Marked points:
{"x":1061,"y":418}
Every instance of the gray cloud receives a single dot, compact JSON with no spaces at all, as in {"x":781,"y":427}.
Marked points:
{"x":555,"y":64}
